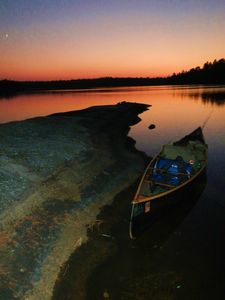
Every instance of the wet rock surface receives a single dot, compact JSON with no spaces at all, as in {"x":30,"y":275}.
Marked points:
{"x":56,"y":173}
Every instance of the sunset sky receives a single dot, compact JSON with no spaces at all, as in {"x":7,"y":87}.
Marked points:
{"x":64,"y":39}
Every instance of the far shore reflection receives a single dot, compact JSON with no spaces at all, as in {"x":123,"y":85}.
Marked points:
{"x":22,"y":106}
{"x":213,"y":98}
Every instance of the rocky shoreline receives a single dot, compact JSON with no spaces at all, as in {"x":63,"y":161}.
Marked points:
{"x":56,"y":173}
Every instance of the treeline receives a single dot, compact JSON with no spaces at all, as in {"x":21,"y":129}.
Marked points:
{"x":210,"y":73}
{"x":10,"y":88}
{"x":77,"y":83}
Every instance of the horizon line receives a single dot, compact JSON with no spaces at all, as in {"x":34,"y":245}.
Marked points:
{"x":118,"y":77}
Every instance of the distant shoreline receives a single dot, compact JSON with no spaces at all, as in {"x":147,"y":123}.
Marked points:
{"x":210,"y":73}
{"x":15,"y":88}
{"x":10,"y":87}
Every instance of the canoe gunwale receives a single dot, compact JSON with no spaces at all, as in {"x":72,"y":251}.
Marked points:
{"x":150,"y":198}
{"x":200,"y":137}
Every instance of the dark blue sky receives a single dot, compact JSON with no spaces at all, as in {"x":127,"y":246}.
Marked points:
{"x":148,"y":37}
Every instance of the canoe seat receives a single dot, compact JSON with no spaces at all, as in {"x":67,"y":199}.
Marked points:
{"x":161,"y":183}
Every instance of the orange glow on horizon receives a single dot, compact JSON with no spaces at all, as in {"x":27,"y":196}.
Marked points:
{"x":138,"y":43}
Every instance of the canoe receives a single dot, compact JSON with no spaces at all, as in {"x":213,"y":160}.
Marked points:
{"x":176,"y":167}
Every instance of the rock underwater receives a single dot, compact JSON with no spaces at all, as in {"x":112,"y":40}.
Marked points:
{"x":56,"y":172}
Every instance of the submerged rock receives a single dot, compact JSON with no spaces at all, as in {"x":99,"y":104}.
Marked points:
{"x":151,"y":126}
{"x":55,"y":174}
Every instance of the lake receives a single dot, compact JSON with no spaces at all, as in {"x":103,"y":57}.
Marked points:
{"x":188,"y":262}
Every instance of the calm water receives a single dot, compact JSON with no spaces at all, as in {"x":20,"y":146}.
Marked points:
{"x":189,"y":263}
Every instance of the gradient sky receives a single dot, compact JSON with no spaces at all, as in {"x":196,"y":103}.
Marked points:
{"x":64,"y":39}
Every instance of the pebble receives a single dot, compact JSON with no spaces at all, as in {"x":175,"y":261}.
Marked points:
{"x":152,"y":126}
{"x":106,"y":295}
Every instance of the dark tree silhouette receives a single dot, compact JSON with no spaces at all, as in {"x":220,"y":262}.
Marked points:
{"x":210,"y":73}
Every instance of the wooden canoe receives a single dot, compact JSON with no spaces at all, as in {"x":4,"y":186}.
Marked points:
{"x":176,"y":166}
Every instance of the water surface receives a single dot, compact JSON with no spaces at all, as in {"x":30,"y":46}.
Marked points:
{"x":188,"y":262}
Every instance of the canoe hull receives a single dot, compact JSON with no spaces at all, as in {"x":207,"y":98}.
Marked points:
{"x":157,"y":191}
{"x":186,"y":197}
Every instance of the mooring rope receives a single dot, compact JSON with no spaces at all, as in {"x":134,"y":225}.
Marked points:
{"x":207,"y":119}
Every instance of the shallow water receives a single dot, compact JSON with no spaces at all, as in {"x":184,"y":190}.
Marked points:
{"x":174,"y":259}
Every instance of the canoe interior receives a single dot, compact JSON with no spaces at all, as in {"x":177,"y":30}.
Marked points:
{"x":175,"y":165}
{"x":175,"y":169}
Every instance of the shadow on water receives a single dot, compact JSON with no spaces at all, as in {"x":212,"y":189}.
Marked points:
{"x":215,"y":98}
{"x":133,"y":273}
{"x":111,"y":266}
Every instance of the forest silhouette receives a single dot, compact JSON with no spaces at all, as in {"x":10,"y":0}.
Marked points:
{"x":210,"y":73}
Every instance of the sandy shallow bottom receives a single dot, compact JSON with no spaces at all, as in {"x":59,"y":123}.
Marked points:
{"x":165,"y":262}
{"x":112,"y":266}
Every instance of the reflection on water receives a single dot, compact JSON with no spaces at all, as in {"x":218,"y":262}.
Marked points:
{"x":138,"y":270}
{"x":22,"y":106}
{"x":190,"y":257}
{"x":214,"y":98}
{"x":123,"y":268}
{"x":161,"y":207}
{"x":212,"y":95}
